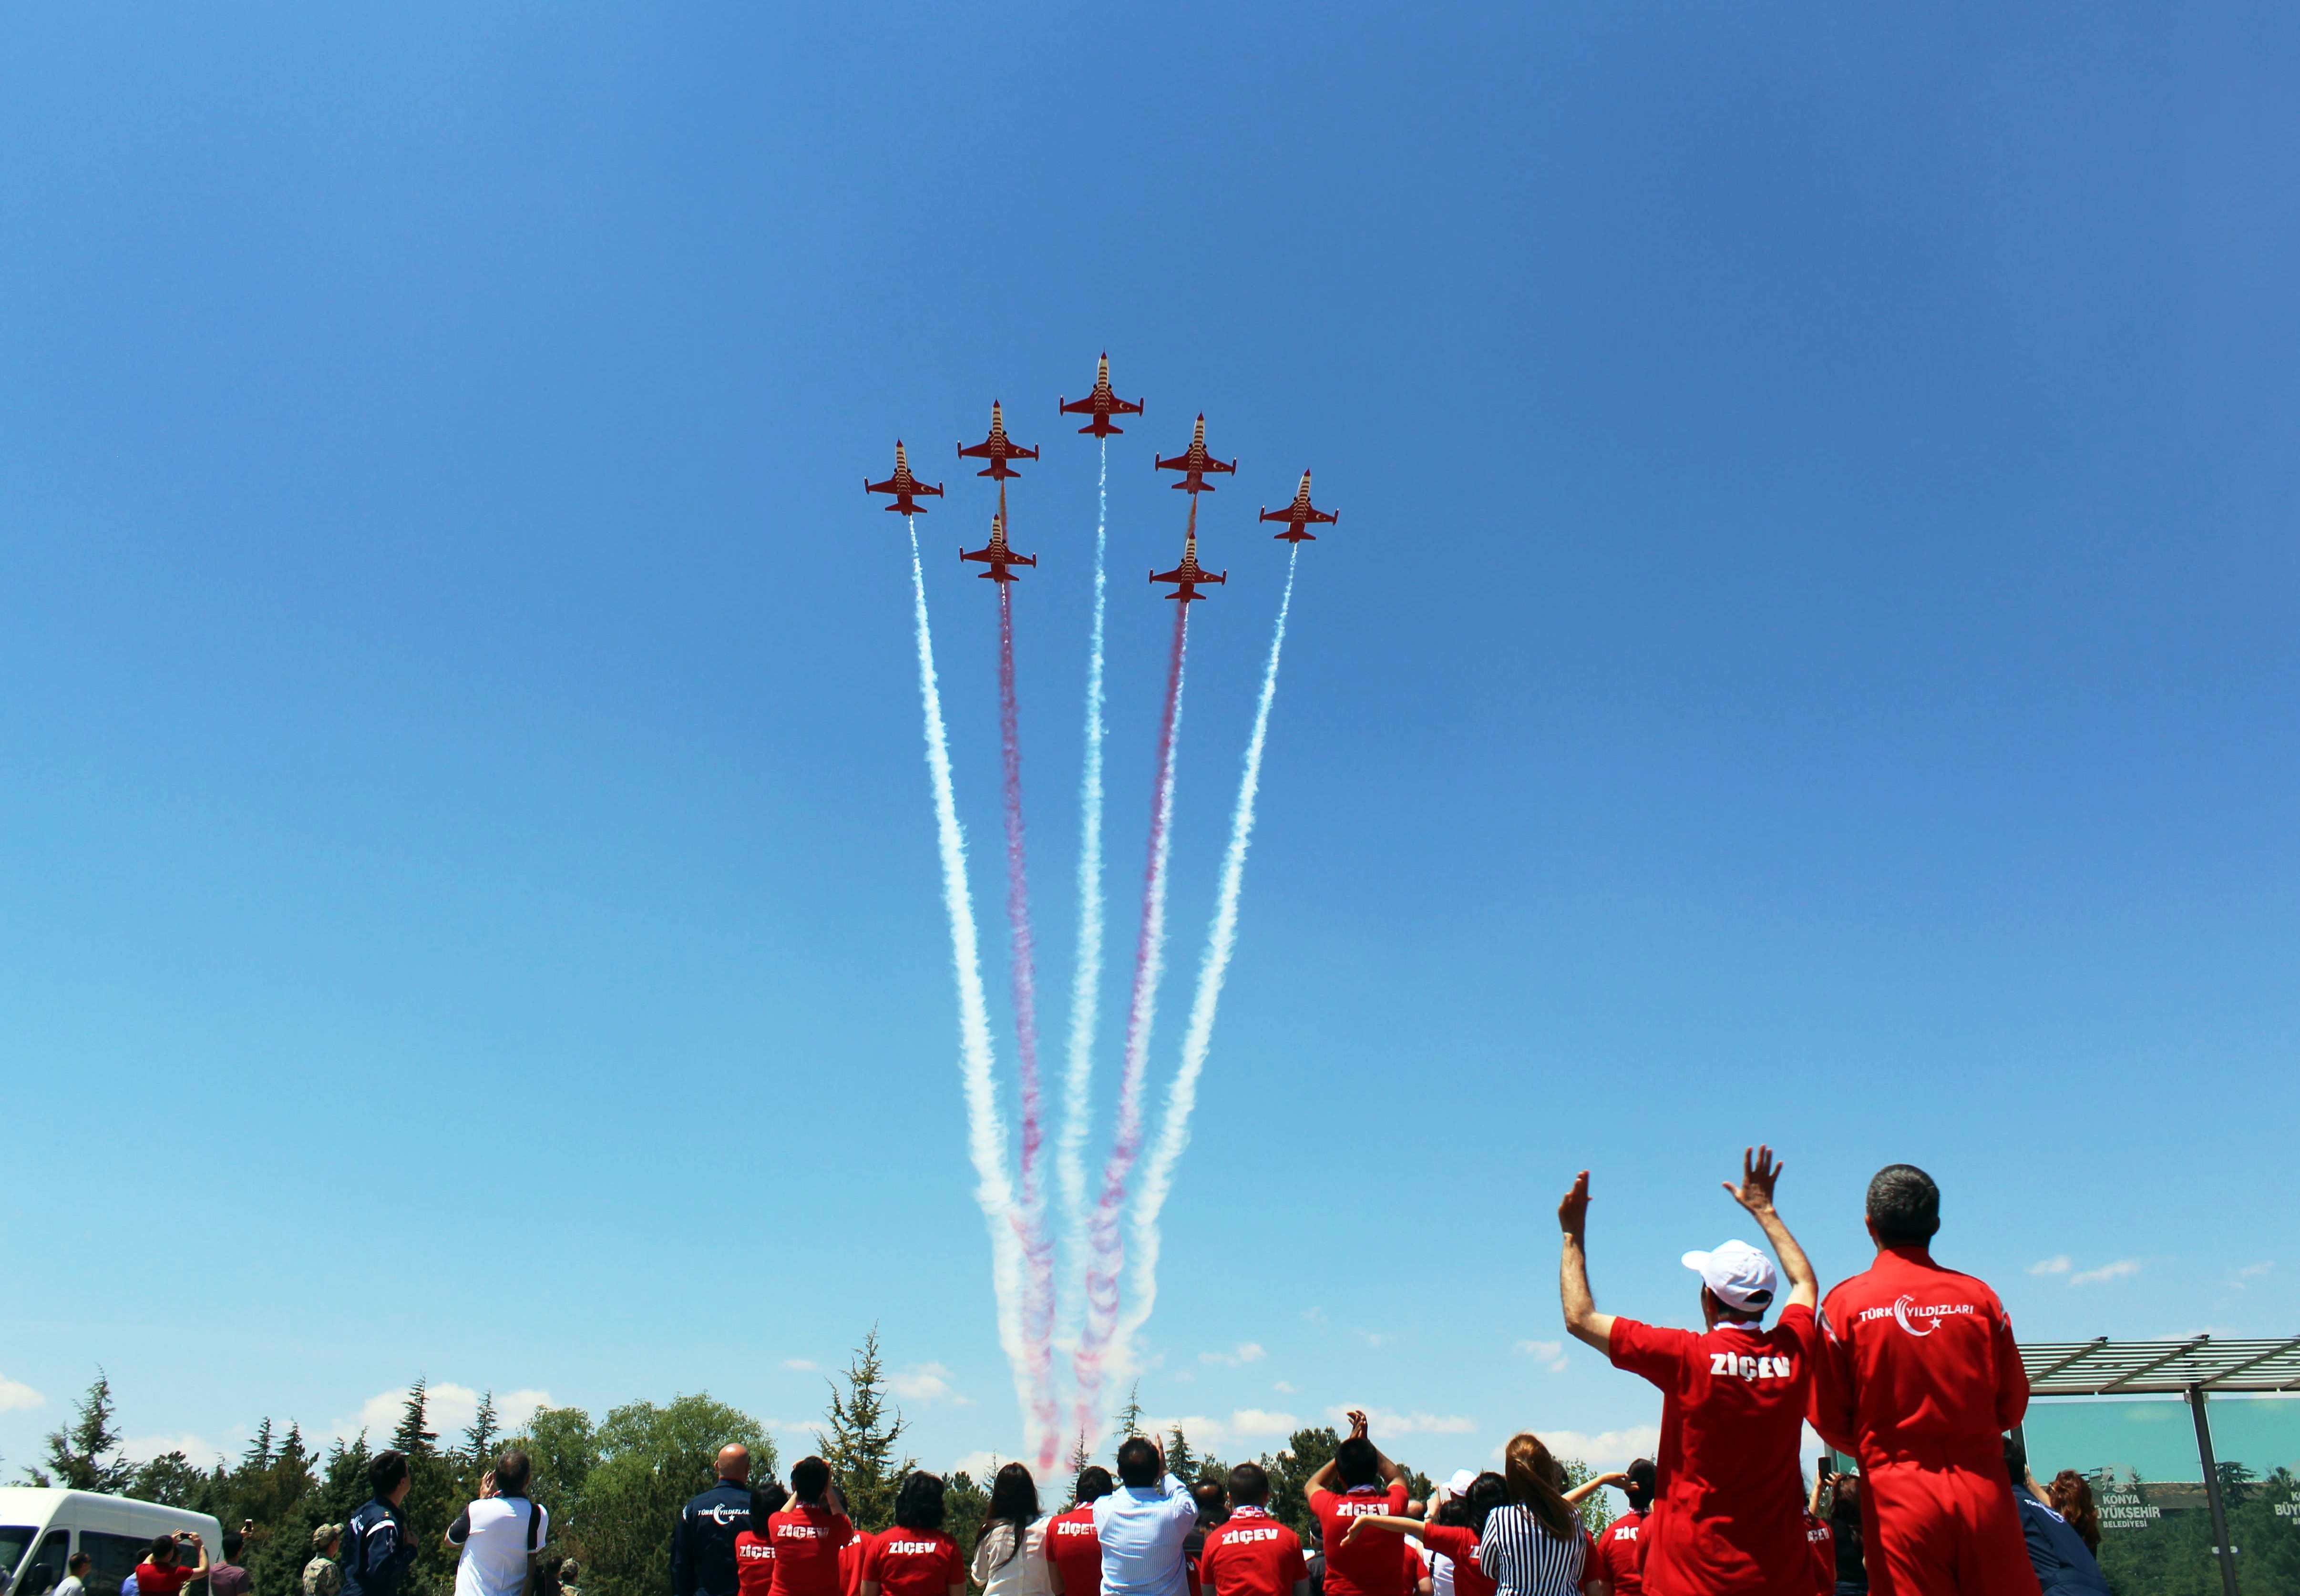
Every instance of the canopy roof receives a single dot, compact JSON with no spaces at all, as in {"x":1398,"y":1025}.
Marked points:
{"x":2103,"y":1367}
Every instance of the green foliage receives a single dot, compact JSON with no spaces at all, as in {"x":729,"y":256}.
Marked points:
{"x":1129,"y":1417}
{"x":1181,"y":1462}
{"x":76,"y":1452}
{"x":1306,"y":1452}
{"x":479,"y":1439}
{"x":564,"y":1450}
{"x":1596,"y":1511}
{"x":170,"y":1479}
{"x":650,"y":1461}
{"x":859,"y":1439}
{"x":964,"y":1506}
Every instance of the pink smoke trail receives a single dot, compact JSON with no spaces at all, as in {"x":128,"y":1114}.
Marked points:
{"x":1197,"y":1037}
{"x":1039,"y":1281}
{"x":1109,"y":1250}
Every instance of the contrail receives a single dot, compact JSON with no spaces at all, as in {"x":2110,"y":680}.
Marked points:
{"x":1221,"y":937}
{"x":986,"y":1133}
{"x":1086,"y":980}
{"x":1039,"y":1294}
{"x":1109,"y":1253}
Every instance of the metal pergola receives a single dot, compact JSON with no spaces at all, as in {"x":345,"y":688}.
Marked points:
{"x":2192,"y":1369}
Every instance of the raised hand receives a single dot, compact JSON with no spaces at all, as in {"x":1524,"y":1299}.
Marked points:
{"x":1759,"y":1175}
{"x":1357,"y":1424}
{"x":1573,"y":1212}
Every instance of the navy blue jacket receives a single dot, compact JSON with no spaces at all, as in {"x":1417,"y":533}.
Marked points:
{"x":377,"y":1552}
{"x":2064,"y":1564}
{"x":703,"y":1545}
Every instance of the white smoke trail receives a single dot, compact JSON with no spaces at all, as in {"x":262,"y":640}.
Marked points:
{"x":1221,"y":938}
{"x":1086,"y":980}
{"x":986,"y":1131}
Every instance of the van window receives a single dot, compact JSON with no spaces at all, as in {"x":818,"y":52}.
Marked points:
{"x":56,"y":1552}
{"x":15,"y":1541}
{"x":111,"y":1559}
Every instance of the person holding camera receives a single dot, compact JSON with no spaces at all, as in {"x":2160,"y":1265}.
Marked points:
{"x":499,"y":1535}
{"x":162,"y":1572}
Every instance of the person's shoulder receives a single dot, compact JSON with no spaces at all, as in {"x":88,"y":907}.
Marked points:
{"x":1321,"y":1499}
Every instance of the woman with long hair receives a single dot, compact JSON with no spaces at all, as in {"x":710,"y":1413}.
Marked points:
{"x":915,"y":1558}
{"x":1534,"y":1543}
{"x":1010,"y":1554}
{"x":1453,"y":1530}
{"x":2071,"y":1496}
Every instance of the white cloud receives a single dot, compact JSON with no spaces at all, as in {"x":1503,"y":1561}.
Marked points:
{"x":1377,"y":1339}
{"x":449,"y":1410}
{"x":981,"y":1465}
{"x":1606,"y":1450}
{"x":16,"y":1396}
{"x":804,"y":1365}
{"x":1284,"y":1387}
{"x":1260,"y":1421}
{"x":2059,"y":1265}
{"x":196,"y":1449}
{"x":2121,"y":1269}
{"x":927,"y":1383}
{"x":1549,"y":1354}
{"x":1246,"y":1351}
{"x":2244,"y":1277}
{"x":1381,"y":1421}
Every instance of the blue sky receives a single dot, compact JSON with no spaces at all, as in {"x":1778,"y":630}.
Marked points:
{"x":1808,"y":654}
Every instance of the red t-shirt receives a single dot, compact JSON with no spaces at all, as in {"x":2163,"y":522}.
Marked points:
{"x":1458,"y":1542}
{"x":161,"y":1582}
{"x":1916,"y":1362}
{"x":1252,"y":1554}
{"x":1076,"y":1550}
{"x":850,"y":1563}
{"x":755,"y":1564}
{"x":805,"y":1542}
{"x":1620,"y":1552}
{"x":1374,"y":1564}
{"x":1823,"y":1543}
{"x":1728,"y":1517}
{"x":910,"y":1562}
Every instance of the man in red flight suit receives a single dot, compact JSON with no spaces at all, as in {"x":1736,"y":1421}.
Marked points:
{"x":1915,"y":1374}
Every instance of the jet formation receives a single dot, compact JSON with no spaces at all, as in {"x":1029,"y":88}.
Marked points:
{"x":1195,"y":464}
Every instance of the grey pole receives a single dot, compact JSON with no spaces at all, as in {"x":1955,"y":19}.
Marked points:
{"x":2212,"y":1491}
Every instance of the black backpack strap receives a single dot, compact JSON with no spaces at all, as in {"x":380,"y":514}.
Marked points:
{"x":534,"y":1524}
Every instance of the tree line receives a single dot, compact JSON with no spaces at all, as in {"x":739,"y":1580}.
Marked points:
{"x":613,"y":1486}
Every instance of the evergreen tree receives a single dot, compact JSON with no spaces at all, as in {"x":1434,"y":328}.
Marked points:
{"x":859,"y":1441}
{"x":1180,"y":1461}
{"x":169,"y":1479}
{"x":1129,"y":1417}
{"x":411,"y":1437}
{"x":1305,"y":1453}
{"x":1079,"y":1457}
{"x":77,"y":1460}
{"x":479,"y":1439}
{"x":964,"y":1506}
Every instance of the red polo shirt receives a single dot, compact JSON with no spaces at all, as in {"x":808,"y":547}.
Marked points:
{"x":1252,"y":1554}
{"x":1076,"y":1550}
{"x":1372,"y":1565}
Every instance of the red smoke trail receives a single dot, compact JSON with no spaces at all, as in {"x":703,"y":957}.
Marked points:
{"x":1108,"y":1251}
{"x":1038,"y":1302}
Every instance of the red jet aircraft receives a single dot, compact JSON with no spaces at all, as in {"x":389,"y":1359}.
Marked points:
{"x":997,"y":555}
{"x":1193,"y":463}
{"x":998,"y":449}
{"x":1300,"y":516}
{"x":1188,"y":575}
{"x":903,"y":485}
{"x":1102,"y":403}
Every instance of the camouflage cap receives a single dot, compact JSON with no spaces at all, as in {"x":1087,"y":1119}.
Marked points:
{"x":325,"y":1533}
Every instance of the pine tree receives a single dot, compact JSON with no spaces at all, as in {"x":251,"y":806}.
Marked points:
{"x":411,"y":1437}
{"x":1079,"y":1457}
{"x":76,"y":1452}
{"x":1129,"y":1417}
{"x":1180,"y":1461}
{"x":479,"y":1439}
{"x":259,"y":1451}
{"x":859,"y":1442}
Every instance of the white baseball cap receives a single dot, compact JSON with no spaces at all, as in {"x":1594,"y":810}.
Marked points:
{"x":1742,"y":1277}
{"x":1459,"y":1485}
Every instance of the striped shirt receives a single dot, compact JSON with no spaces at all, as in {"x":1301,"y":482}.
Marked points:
{"x":1523,"y":1559}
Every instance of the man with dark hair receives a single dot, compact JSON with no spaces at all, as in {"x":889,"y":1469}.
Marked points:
{"x":1729,"y":1520}
{"x":1917,"y":1375}
{"x":808,"y":1532}
{"x":500,"y":1536}
{"x":1071,"y":1546}
{"x":703,"y":1542}
{"x":1370,"y":1485}
{"x":227,"y":1579}
{"x":162,"y":1573}
{"x":75,"y":1580}
{"x":1142,"y":1526}
{"x":1251,"y":1553}
{"x":1619,"y":1555}
{"x":378,"y":1551}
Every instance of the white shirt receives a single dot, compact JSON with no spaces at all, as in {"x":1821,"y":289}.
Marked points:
{"x":72,"y":1585}
{"x":1441,"y":1574}
{"x":493,"y":1533}
{"x":1024,"y":1573}
{"x":1142,"y":1528}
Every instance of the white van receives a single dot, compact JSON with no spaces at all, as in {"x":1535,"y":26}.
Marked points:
{"x":44,"y":1527}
